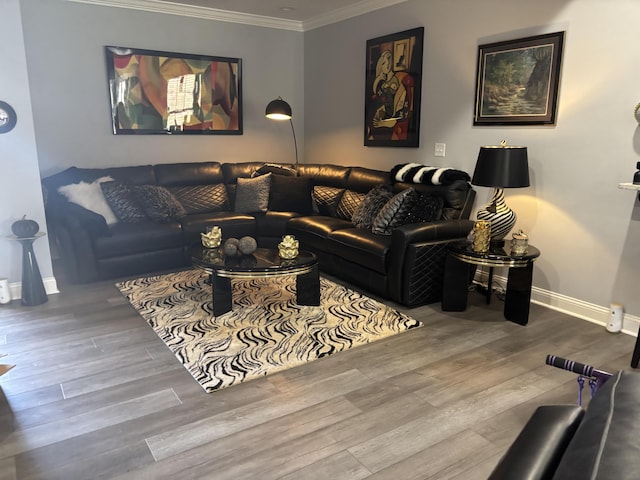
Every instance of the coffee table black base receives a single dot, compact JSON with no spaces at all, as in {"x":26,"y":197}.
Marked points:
{"x":307,"y":291}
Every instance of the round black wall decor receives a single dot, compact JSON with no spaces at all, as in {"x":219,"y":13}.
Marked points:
{"x":8,"y":117}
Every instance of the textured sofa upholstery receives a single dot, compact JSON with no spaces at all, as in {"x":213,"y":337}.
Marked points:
{"x":406,"y":266}
{"x":565,"y":442}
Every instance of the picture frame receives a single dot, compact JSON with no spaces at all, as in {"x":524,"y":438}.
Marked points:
{"x":156,"y":92}
{"x":517,"y":81}
{"x":393,"y":87}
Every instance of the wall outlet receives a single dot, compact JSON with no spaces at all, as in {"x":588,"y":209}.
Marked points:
{"x":440,"y":149}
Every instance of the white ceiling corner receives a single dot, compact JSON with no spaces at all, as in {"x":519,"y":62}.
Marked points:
{"x":328,"y":14}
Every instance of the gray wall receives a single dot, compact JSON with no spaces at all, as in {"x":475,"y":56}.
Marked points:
{"x":67,"y":75}
{"x":585,"y":226}
{"x":20,"y":192}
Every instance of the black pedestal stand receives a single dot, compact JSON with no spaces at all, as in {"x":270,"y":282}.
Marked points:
{"x":33,"y":292}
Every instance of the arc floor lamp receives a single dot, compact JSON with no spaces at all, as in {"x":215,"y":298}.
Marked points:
{"x":278,"y":109}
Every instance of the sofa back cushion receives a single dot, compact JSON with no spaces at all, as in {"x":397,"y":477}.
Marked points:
{"x":140,"y":175}
{"x":364,"y":179}
{"x":181,"y":174}
{"x":231,"y":171}
{"x":327,"y":175}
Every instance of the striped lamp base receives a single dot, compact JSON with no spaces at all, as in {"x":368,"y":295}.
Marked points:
{"x":497,"y":212}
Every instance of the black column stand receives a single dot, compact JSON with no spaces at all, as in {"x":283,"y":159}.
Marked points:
{"x":33,"y":292}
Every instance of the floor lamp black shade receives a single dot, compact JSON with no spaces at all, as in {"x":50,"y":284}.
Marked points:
{"x":500,"y":166}
{"x":278,"y":109}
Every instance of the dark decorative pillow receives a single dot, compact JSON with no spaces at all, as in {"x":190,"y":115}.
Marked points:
{"x":202,"y":198}
{"x":123,"y":202}
{"x":252,"y":194}
{"x":427,"y":208}
{"x":326,"y":199}
{"x":366,"y":212}
{"x":348,"y":204}
{"x":394,"y":212}
{"x":158,"y":203}
{"x":276,"y":169}
{"x":290,"y":194}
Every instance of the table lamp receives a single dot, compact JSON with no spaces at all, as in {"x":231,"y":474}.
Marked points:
{"x":500,"y":166}
{"x":278,"y":109}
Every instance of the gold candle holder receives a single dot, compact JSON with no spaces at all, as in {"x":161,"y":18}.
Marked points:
{"x":481,"y":236}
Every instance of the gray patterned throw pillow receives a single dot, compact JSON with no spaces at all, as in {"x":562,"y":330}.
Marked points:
{"x":252,"y":194}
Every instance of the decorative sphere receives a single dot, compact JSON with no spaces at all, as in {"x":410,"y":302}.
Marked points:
{"x":247,"y":245}
{"x":230,"y":248}
{"x":25,"y":228}
{"x":232,"y":240}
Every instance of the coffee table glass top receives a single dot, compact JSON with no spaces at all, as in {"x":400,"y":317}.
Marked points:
{"x":262,"y":262}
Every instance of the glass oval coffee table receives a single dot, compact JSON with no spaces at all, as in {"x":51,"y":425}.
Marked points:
{"x":264,"y":262}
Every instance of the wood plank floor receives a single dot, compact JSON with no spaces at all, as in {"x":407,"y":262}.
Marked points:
{"x":96,"y":395}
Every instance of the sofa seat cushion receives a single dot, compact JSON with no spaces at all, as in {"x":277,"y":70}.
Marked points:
{"x":273,"y":224}
{"x":131,"y":238}
{"x":362,"y":247}
{"x":316,"y":225}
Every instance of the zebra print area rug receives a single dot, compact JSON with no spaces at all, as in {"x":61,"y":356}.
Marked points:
{"x":265,"y":333}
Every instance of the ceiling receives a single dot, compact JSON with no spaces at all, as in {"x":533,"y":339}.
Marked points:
{"x":287,"y":14}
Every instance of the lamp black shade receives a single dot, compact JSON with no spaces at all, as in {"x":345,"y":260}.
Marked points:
{"x":278,"y":109}
{"x":502,"y":166}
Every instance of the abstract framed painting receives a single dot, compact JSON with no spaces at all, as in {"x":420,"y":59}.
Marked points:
{"x":154,"y":92}
{"x":517,"y":81}
{"x":393,"y":89}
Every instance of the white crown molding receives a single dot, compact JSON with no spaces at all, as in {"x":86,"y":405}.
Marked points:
{"x":171,"y":8}
{"x":204,"y":13}
{"x":360,"y":8}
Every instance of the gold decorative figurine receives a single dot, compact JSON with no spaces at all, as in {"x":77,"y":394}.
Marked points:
{"x":288,"y":247}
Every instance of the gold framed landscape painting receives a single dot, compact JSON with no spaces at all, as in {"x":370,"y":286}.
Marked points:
{"x":393,"y":89}
{"x":154,"y":92}
{"x":517,"y":81}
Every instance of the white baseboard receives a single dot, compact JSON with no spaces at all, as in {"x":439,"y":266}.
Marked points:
{"x":50,"y":286}
{"x":572,"y":306}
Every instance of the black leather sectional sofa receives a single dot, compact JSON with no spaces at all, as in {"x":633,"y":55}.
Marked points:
{"x":565,"y":442}
{"x":406,"y":266}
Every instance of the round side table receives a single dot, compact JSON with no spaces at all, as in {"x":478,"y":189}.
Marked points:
{"x":461,"y":258}
{"x":33,"y":292}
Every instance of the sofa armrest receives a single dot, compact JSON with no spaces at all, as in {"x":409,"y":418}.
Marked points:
{"x":417,"y":257}
{"x":438,"y":231}
{"x":538,"y":449}
{"x":73,"y":228}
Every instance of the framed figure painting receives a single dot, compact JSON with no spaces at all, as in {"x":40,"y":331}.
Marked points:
{"x":517,"y":81}
{"x":155,"y":92}
{"x":393,"y":88}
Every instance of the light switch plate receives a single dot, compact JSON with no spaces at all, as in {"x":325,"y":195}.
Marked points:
{"x":440,"y":149}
